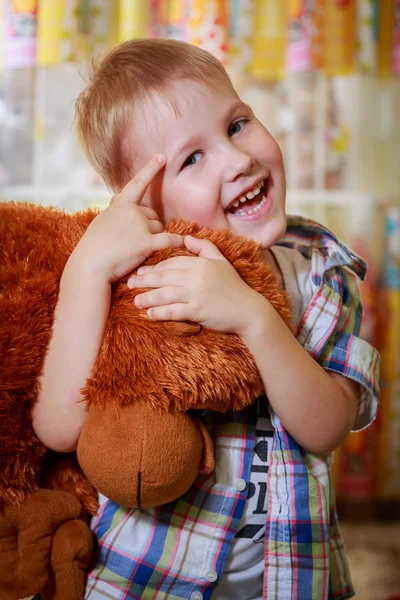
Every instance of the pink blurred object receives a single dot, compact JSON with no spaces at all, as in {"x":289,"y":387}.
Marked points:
{"x":20,"y":33}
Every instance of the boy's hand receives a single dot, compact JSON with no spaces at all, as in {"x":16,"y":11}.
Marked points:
{"x":123,"y":235}
{"x":205,"y":289}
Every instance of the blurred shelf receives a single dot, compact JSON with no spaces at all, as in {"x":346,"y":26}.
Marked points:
{"x":68,"y":198}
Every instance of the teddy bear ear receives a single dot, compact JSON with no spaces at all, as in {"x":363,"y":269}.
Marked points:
{"x":182,"y":328}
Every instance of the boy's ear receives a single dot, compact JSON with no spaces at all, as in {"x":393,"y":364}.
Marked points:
{"x":182,"y":328}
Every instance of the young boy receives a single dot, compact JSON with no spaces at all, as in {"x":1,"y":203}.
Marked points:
{"x":162,"y":124}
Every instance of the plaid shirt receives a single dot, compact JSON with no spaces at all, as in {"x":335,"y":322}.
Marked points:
{"x":178,"y":551}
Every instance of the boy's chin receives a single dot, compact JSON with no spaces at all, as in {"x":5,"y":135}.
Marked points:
{"x":270,"y":234}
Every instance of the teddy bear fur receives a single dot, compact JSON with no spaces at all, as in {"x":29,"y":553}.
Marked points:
{"x":147,"y":377}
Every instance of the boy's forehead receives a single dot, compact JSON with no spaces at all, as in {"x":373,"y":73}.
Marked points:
{"x":154,"y":121}
{"x":164,"y":115}
{"x":182,"y":99}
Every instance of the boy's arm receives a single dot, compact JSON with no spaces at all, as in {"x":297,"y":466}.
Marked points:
{"x":317,"y":407}
{"x":104,"y":254}
{"x":80,"y":318}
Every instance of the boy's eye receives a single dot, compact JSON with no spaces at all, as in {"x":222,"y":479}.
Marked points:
{"x":236,"y":127}
{"x":191,"y":160}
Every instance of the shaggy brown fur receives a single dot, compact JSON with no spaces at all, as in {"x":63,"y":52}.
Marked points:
{"x":158,"y":370}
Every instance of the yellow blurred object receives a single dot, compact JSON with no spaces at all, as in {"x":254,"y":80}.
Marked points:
{"x":339,"y":37}
{"x":73,"y":30}
{"x":269,"y":40}
{"x":176,"y":10}
{"x":294,"y":9}
{"x":24,"y":6}
{"x":49,"y":32}
{"x":340,"y":143}
{"x":113,"y":24}
{"x":134,"y":19}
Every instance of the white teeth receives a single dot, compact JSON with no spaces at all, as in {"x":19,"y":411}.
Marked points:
{"x":255,"y":209}
{"x":249,"y":196}
{"x":255,"y":191}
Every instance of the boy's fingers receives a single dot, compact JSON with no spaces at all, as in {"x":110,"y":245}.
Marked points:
{"x":149,"y":213}
{"x":155,"y":226}
{"x":167,"y":240}
{"x":136,"y":188}
{"x":203,"y":248}
{"x":179,"y":263}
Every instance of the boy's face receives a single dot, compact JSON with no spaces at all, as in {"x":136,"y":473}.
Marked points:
{"x":218,"y":157}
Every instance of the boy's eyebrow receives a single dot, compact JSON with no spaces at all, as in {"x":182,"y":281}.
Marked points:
{"x":235,"y":107}
{"x":193,"y":140}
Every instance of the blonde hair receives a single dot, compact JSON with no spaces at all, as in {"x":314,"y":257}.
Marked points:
{"x":130,"y":72}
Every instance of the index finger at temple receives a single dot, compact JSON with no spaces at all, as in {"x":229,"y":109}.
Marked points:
{"x":136,"y":188}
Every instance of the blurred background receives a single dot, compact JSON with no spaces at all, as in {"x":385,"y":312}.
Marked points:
{"x":324,"y":77}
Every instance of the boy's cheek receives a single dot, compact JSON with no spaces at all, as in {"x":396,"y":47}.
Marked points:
{"x":273,"y":152}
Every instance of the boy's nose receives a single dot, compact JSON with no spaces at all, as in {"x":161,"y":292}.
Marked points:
{"x":238,"y":163}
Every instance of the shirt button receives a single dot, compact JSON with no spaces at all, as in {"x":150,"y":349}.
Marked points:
{"x":196,"y":596}
{"x":211,"y":575}
{"x":240,"y":485}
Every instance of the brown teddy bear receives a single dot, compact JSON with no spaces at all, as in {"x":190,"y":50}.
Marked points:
{"x":140,"y":445}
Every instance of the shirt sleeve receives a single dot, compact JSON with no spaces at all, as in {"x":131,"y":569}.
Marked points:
{"x":344,"y":352}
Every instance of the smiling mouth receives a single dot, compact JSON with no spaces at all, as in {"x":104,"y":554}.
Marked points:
{"x":252,"y":201}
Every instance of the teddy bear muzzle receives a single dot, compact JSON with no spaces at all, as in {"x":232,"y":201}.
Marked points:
{"x":141,"y":457}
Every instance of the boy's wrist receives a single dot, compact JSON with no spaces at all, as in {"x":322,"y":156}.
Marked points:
{"x":79,"y":268}
{"x":82,"y":273}
{"x":257,"y":323}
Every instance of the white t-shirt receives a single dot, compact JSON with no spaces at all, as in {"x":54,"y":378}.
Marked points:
{"x":244,"y":570}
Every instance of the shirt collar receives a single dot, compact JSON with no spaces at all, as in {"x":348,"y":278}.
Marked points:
{"x":308,"y":236}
